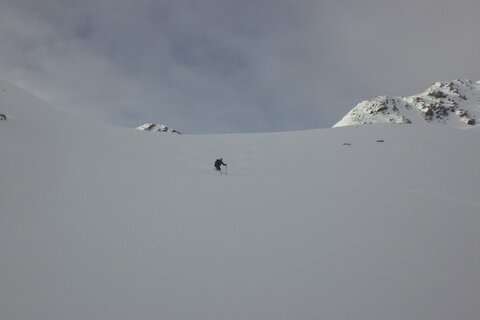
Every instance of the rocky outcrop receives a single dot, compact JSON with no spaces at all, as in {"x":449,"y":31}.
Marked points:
{"x":153,"y":127}
{"x":455,"y":103}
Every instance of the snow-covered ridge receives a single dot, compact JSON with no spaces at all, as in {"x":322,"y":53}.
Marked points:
{"x":153,"y":127}
{"x":455,"y":103}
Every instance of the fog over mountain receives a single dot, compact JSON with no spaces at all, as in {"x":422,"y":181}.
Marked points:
{"x":233,"y":66}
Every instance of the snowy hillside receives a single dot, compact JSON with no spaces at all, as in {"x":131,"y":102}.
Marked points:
{"x":107,"y":223}
{"x":455,"y":103}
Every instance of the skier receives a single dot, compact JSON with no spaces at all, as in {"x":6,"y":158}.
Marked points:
{"x":218,"y":163}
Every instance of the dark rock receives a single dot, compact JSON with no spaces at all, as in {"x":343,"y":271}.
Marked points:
{"x":150,"y":127}
{"x":406,"y":120}
{"x":382,"y":109}
{"x":437,"y":94}
{"x":428,"y":113}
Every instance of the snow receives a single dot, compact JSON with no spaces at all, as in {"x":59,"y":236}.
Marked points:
{"x":153,"y":127}
{"x":100,"y":222}
{"x":455,"y":103}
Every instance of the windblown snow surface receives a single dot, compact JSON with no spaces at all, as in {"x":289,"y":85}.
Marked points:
{"x":99,"y":222}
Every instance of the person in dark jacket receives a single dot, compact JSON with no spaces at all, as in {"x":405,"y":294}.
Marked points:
{"x":218,"y":163}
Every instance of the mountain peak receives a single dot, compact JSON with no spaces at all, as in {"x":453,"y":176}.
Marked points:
{"x":153,"y":127}
{"x":455,"y":103}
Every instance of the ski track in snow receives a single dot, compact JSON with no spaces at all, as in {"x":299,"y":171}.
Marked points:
{"x":244,"y":153}
{"x":106,"y":223}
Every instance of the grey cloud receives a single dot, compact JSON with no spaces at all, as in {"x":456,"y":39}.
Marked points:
{"x":230,"y":65}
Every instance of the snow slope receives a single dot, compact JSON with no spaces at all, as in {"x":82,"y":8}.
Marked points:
{"x":455,"y":103}
{"x":99,"y":222}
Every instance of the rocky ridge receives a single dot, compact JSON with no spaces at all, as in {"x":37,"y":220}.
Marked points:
{"x":153,"y":127}
{"x":456,"y":103}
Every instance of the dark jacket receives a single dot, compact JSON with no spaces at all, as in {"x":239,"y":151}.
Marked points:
{"x":218,"y":163}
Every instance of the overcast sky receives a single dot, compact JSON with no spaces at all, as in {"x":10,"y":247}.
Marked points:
{"x":212,"y":66}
